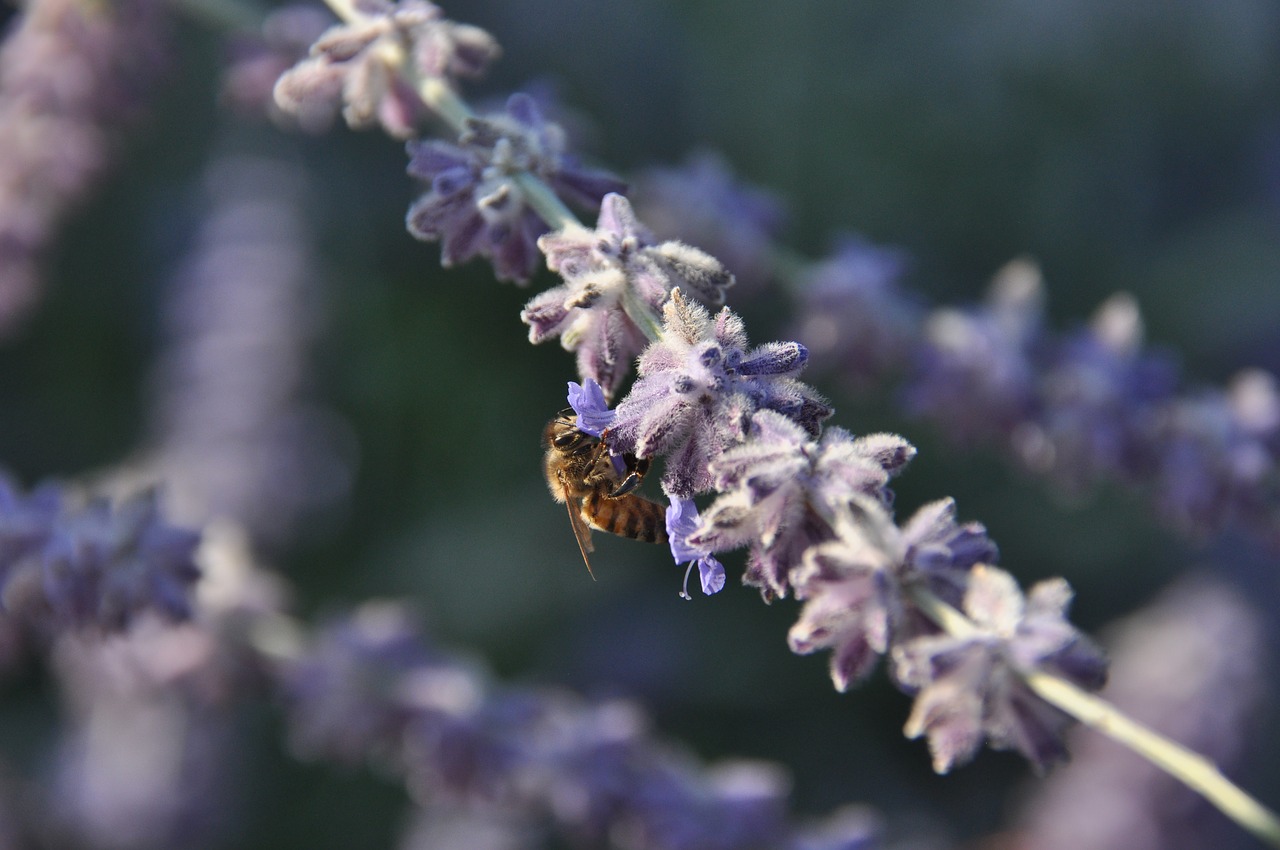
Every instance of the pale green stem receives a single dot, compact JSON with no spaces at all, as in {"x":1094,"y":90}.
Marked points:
{"x":1192,"y":769}
{"x":642,"y":315}
{"x":545,"y":202}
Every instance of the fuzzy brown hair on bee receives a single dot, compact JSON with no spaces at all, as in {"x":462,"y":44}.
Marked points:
{"x":598,"y":487}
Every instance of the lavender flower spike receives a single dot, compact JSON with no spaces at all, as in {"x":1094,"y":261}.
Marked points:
{"x":361,"y":65}
{"x":698,"y":388}
{"x":971,"y":687}
{"x":610,"y":274}
{"x":780,"y":489}
{"x":682,"y":522}
{"x":476,"y":204}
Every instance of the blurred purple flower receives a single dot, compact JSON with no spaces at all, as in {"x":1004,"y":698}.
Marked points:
{"x":973,"y":374}
{"x":854,"y":317}
{"x":617,"y":268}
{"x":971,"y":688}
{"x":475,"y":205}
{"x":698,"y":388}
{"x":64,"y":565}
{"x":702,"y":203}
{"x":1216,"y":457}
{"x":72,"y":76}
{"x":1094,"y":394}
{"x":780,"y":489}
{"x":256,"y":60}
{"x":365,"y":65}
{"x":369,"y":687}
{"x":151,"y":752}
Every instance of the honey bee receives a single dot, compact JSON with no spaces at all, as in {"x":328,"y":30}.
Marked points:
{"x":598,"y":487}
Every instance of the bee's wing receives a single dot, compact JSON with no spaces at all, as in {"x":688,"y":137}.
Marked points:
{"x":581,"y":531}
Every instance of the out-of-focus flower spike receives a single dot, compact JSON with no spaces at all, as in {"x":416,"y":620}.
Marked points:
{"x":72,"y":76}
{"x":855,"y":317}
{"x":65,"y":565}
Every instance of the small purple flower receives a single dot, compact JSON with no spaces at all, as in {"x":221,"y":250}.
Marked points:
{"x":1218,"y":456}
{"x":609,"y":273}
{"x":971,"y":688}
{"x":698,"y":388}
{"x":780,"y":489}
{"x":682,"y":523}
{"x":852,"y":586}
{"x":587,"y":400}
{"x":362,"y":65}
{"x":702,"y":202}
{"x":475,"y":205}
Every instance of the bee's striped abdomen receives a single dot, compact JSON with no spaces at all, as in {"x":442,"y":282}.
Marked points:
{"x":629,"y":516}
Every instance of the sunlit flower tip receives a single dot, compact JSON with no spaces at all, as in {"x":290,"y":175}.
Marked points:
{"x":588,"y":401}
{"x":361,"y":65}
{"x":971,"y":688}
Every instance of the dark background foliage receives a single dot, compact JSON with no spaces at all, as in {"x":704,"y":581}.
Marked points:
{"x":1133,"y":147}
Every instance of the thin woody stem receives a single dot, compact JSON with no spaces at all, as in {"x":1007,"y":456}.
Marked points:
{"x":1188,"y":767}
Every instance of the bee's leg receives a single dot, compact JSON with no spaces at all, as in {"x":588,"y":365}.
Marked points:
{"x":625,"y":486}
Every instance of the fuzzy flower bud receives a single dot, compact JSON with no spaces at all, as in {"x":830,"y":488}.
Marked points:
{"x":698,"y":388}
{"x":609,"y":273}
{"x":780,"y":488}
